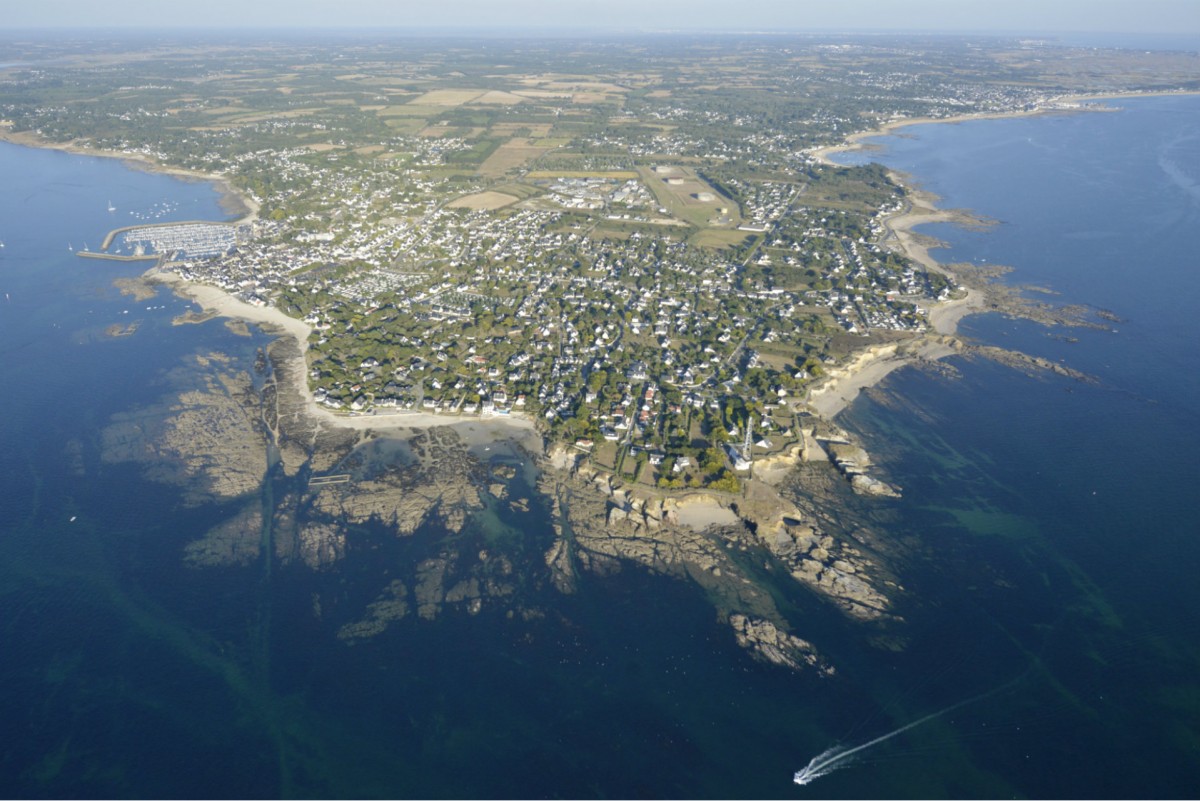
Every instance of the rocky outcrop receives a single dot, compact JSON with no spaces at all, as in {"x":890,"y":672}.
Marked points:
{"x":1030,"y":365}
{"x":643,"y":528}
{"x":441,"y":483}
{"x":766,"y":642}
{"x":136,"y":287}
{"x":237,"y":541}
{"x":865,"y":485}
{"x":301,"y":438}
{"x":321,"y":544}
{"x":853,"y":462}
{"x":392,"y":604}
{"x":641,"y":531}
{"x":604,"y":525}
{"x":774,"y":468}
{"x":431,"y":586}
{"x":831,"y":567}
{"x":206,"y":439}
{"x":457,"y":579}
{"x":561,"y":563}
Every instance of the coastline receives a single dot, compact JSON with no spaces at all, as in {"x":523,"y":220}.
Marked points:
{"x":828,"y":398}
{"x":238,"y":204}
{"x":211,"y":299}
{"x":854,"y":141}
{"x":867,"y":369}
{"x":873,"y":364}
{"x":478,"y":430}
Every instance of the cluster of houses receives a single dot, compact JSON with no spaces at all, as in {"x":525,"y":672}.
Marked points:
{"x":570,"y":304}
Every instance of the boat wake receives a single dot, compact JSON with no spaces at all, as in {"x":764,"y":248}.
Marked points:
{"x":831,"y":759}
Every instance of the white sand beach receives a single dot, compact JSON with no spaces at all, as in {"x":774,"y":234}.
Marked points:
{"x":475,"y":430}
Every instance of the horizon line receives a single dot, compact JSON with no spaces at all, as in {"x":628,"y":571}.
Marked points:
{"x":592,"y":30}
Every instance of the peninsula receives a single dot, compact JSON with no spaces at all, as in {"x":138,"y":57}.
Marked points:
{"x":635,"y":257}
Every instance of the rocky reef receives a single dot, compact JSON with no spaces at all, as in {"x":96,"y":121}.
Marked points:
{"x":237,"y":541}
{"x":311,"y":494}
{"x":853,"y":462}
{"x":441,"y":481}
{"x":601,"y":524}
{"x":768,"y":643}
{"x":392,"y":604}
{"x":203,"y":437}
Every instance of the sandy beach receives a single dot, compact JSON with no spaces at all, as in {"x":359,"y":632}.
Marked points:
{"x":872,"y":365}
{"x":700,"y":512}
{"x":856,"y":141}
{"x":474,"y":430}
{"x":922,"y":210}
{"x":866,"y":370}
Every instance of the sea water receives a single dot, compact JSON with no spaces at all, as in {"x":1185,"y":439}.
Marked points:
{"x":1046,"y":544}
{"x":125,"y":671}
{"x":1059,"y":517}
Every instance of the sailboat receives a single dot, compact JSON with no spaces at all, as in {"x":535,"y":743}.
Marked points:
{"x":111,"y":207}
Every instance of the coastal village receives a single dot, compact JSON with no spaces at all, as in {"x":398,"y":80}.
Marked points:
{"x":470,"y":415}
{"x":660,"y":270}
{"x":583,"y":307}
{"x":659,"y":276}
{"x":631,"y":348}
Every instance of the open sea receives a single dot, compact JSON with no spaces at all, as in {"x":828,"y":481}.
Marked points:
{"x":1051,"y":597}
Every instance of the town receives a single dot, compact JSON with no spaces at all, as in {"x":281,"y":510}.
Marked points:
{"x":639,"y":347}
{"x":642,"y":252}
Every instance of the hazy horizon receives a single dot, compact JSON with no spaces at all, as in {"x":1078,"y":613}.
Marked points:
{"x":1171,"y":18}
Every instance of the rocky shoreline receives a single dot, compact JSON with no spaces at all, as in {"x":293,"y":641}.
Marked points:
{"x":300,"y":491}
{"x":242,"y":430}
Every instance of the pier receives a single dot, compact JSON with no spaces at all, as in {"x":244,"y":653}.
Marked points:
{"x":323,"y":481}
{"x":93,"y":254}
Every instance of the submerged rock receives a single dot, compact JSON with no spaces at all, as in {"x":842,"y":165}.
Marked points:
{"x":237,"y":541}
{"x":391,"y":605}
{"x":207,"y":439}
{"x":321,"y":544}
{"x":866,"y":485}
{"x":766,"y":642}
{"x":442,"y":483}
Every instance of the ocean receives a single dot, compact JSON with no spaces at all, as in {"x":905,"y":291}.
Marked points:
{"x":1059,"y":515}
{"x":1046,"y":544}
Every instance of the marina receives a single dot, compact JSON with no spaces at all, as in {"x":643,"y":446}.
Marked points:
{"x":192,"y":239}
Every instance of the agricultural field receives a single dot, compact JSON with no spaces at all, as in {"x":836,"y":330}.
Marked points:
{"x":483,"y":201}
{"x":512,"y":155}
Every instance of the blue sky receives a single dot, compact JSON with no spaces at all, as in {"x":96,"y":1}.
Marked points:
{"x":1049,"y":16}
